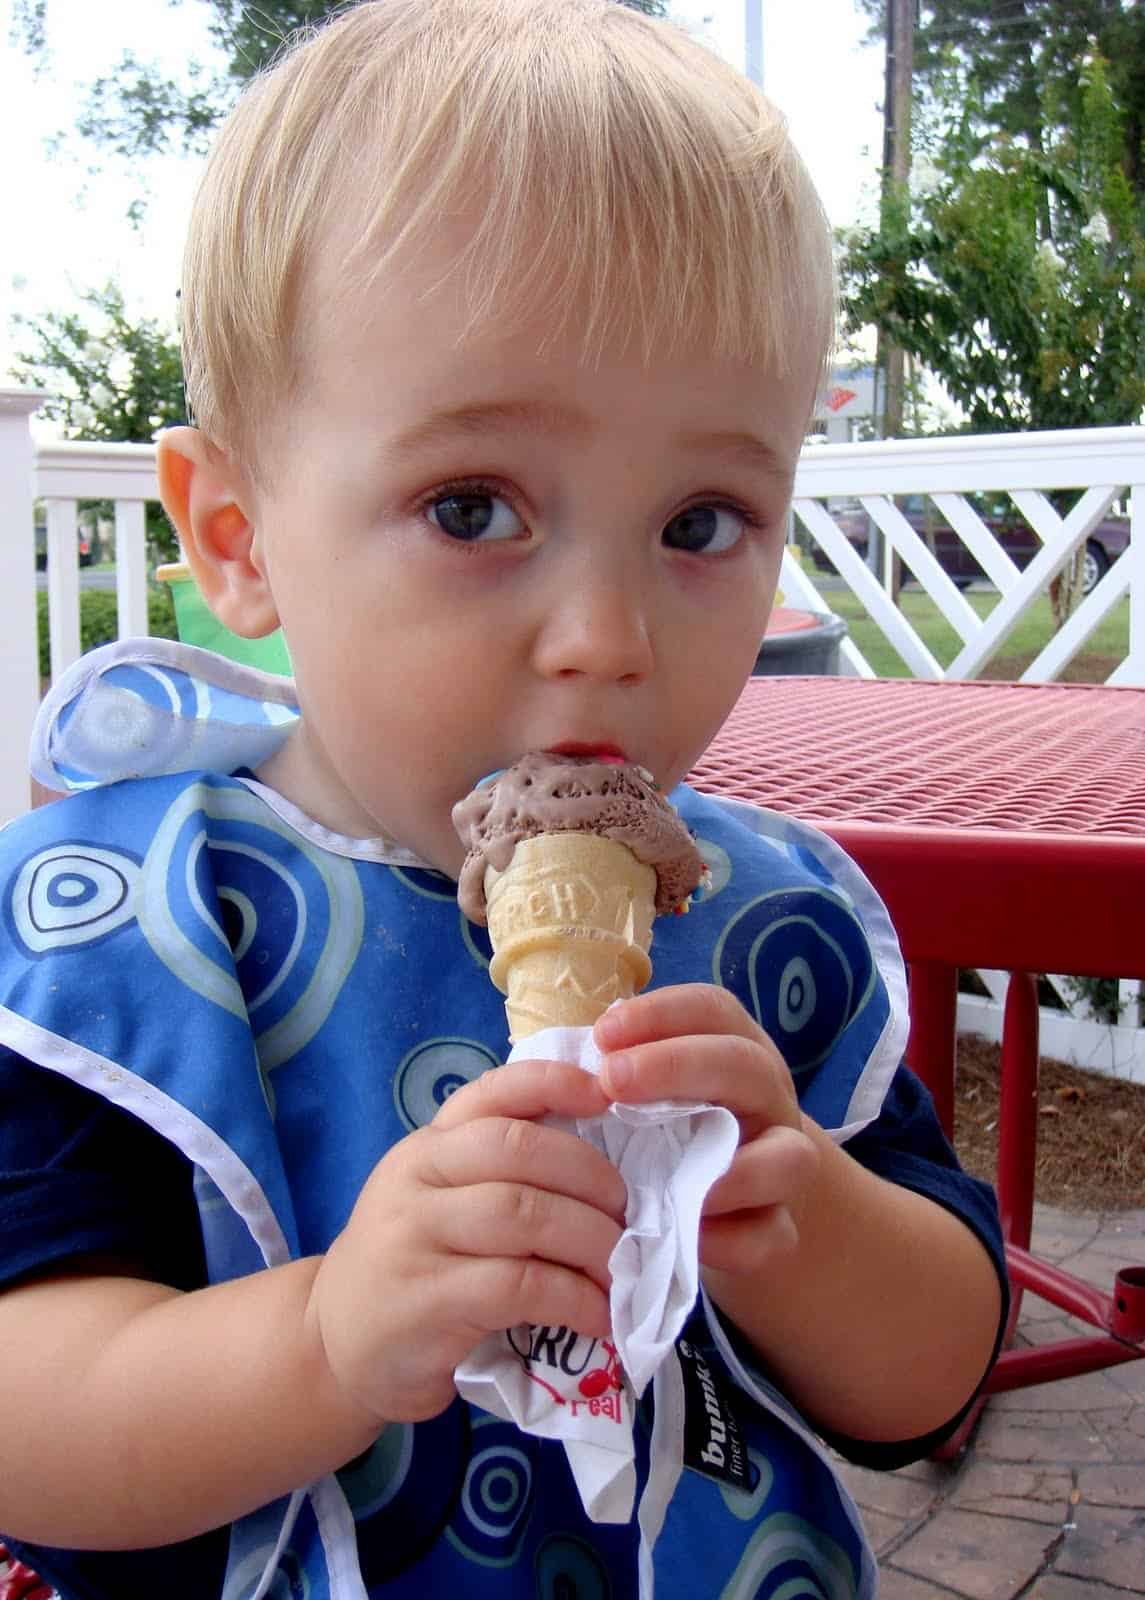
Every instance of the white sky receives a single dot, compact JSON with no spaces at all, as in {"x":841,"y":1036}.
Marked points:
{"x":63,"y":207}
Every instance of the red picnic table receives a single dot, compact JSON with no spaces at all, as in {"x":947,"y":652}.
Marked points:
{"x":1004,"y":826}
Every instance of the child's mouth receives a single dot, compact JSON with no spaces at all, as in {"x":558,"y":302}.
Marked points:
{"x":610,"y":754}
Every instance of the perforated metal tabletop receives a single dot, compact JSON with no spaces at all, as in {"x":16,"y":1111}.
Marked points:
{"x":1004,"y":823}
{"x":1004,"y":826}
{"x":1037,"y":757}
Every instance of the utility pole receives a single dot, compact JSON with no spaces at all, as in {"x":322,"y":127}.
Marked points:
{"x":753,"y":40}
{"x":896,"y":173}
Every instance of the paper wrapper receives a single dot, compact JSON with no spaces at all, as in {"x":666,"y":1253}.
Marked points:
{"x":557,"y":1384}
{"x":570,"y":921}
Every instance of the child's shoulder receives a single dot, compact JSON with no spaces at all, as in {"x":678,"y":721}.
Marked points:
{"x":154,"y":708}
{"x":774,"y":846}
{"x":123,"y":813}
{"x":119,"y":807}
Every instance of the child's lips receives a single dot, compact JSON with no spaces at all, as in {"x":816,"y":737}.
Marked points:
{"x":610,"y":754}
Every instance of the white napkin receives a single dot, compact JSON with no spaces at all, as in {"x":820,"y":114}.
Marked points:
{"x":557,"y":1384}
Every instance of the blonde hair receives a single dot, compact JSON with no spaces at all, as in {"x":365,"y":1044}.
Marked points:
{"x":621,"y":172}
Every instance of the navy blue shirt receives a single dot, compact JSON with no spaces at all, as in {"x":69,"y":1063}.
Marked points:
{"x":79,"y":1177}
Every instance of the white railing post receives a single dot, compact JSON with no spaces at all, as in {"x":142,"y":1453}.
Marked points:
{"x":1132,"y":669}
{"x":75,"y":470}
{"x":19,"y":653}
{"x":63,"y":584}
{"x":131,"y":567}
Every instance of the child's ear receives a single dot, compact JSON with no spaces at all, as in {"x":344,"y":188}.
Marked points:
{"x":211,"y":504}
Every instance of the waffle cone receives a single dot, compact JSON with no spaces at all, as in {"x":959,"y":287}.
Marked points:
{"x":570,"y":920}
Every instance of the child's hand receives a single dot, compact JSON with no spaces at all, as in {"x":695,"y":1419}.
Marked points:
{"x":696,"y":1042}
{"x":479,"y":1221}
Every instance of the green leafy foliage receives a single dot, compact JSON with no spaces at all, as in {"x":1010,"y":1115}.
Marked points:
{"x":112,"y":377}
{"x":1020,"y":57}
{"x":1015,"y":273}
{"x":136,"y":110}
{"x":98,"y":623}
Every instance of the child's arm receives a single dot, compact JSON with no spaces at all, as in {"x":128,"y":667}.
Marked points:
{"x":876,"y":1309}
{"x":135,"y":1414}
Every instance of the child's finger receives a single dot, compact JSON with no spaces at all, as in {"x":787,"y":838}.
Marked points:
{"x":525,"y":1089}
{"x":511,"y":1150}
{"x":748,"y":1244}
{"x":772,"y":1170}
{"x":744,"y":1074}
{"x":511,"y":1219}
{"x":684,"y":1008}
{"x":494,"y":1293}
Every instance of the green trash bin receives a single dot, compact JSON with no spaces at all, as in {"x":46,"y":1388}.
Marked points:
{"x":197,"y":624}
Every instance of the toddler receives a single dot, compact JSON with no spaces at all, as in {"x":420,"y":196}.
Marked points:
{"x":503,"y":323}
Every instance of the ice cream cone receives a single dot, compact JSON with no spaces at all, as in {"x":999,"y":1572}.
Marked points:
{"x":570,"y":920}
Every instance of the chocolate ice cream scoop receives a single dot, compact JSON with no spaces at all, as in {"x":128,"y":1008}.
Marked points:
{"x":545,"y":793}
{"x":569,"y":860}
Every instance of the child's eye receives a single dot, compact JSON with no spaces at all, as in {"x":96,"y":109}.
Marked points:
{"x":705,"y":529}
{"x":472,"y":514}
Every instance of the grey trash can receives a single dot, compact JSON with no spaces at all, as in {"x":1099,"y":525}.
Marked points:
{"x":800,"y":643}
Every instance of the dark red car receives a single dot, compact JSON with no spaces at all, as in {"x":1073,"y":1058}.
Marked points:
{"x":86,"y":558}
{"x":1105,"y":543}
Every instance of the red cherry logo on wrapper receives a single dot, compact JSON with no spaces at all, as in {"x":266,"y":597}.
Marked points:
{"x":601,"y":1379}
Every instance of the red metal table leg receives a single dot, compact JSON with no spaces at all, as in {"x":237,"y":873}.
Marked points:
{"x":1121,"y":1316}
{"x":931,"y":1053}
{"x":1065,"y":1358}
{"x":1017,"y":1119}
{"x":933,"y":1020}
{"x":1018,"y":1110}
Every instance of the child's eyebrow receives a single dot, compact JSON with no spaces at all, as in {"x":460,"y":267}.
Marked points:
{"x":744,"y":450}
{"x":475,"y":421}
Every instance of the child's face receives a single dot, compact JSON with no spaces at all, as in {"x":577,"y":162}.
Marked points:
{"x":476,"y":550}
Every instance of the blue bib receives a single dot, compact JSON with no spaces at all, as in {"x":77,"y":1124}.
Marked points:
{"x":284,"y":1004}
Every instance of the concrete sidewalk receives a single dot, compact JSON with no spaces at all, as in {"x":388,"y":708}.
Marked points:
{"x":1048,"y":1501}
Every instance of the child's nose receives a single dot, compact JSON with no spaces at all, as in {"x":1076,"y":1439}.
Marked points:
{"x":596,"y":629}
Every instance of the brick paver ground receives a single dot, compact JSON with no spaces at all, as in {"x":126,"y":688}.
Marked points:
{"x":1048,"y":1501}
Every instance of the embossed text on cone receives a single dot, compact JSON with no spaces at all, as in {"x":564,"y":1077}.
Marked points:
{"x":570,"y":920}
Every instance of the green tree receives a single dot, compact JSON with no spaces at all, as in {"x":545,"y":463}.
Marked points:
{"x":1015,"y":272}
{"x":1016,"y":275}
{"x":110,"y":376}
{"x":1019,"y":59}
{"x":137,"y":110}
{"x":117,"y":379}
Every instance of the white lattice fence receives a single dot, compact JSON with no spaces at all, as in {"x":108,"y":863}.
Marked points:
{"x":1104,"y":464}
{"x":1074,"y":1034}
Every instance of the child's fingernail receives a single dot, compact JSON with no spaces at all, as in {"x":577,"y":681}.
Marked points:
{"x":606,"y":1023}
{"x":618,"y":1074}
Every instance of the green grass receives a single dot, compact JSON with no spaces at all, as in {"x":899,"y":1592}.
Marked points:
{"x":1104,"y":649}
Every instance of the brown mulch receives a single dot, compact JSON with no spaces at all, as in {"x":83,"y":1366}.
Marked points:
{"x":1091,"y":1131}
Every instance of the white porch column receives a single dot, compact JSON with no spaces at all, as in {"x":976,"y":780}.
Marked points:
{"x":19,"y":659}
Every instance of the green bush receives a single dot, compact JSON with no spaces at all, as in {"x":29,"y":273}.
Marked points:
{"x":98,"y":623}
{"x":1100,"y":994}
